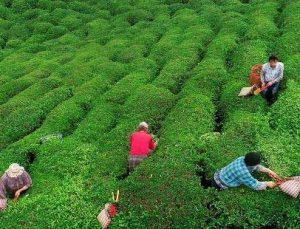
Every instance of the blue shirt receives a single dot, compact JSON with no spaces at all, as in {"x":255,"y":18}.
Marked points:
{"x":237,"y":173}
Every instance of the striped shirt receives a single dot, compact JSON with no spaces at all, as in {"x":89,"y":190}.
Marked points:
{"x":269,"y":74}
{"x":237,"y":173}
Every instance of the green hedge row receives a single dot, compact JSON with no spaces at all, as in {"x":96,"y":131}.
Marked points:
{"x":256,"y":52}
{"x":17,"y":65}
{"x":212,"y":72}
{"x":11,"y":89}
{"x":156,"y":183}
{"x":184,"y":57}
{"x":288,"y":45}
{"x":262,"y":25}
{"x":168,"y":41}
{"x":247,"y":119}
{"x":124,"y":47}
{"x":284,"y":116}
{"x":281,"y":151}
{"x":67,"y":115}
{"x":154,"y":98}
{"x":22,"y":122}
{"x":26,"y":97}
{"x":100,"y":119}
{"x":126,"y":86}
{"x":59,"y":191}
{"x":232,"y":205}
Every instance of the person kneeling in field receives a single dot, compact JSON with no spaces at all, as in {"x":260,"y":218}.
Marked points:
{"x":271,"y":75}
{"x":14,"y":181}
{"x":239,"y":172}
{"x":141,"y":145}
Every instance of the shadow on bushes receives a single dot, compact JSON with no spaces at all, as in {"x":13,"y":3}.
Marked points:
{"x":201,"y":172}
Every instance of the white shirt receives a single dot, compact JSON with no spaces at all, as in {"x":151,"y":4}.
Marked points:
{"x":269,"y":74}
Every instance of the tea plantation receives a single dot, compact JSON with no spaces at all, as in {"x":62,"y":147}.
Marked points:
{"x":76,"y":78}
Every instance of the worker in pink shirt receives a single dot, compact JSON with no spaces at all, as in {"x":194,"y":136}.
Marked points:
{"x":141,"y":145}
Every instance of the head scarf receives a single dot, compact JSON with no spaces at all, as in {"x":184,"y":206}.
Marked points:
{"x":14,"y":170}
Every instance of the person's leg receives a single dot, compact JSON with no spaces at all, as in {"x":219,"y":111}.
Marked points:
{"x":134,"y":161}
{"x":266,"y":94}
{"x":139,"y":160}
{"x":130,"y":164}
{"x":215,"y":185}
{"x":271,"y":93}
{"x":275,"y":88}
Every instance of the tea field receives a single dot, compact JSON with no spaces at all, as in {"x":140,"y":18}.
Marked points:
{"x":76,"y":78}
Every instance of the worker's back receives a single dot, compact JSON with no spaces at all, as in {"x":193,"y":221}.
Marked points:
{"x":141,"y":143}
{"x":233,"y":174}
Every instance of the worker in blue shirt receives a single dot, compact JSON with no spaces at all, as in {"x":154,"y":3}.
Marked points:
{"x":239,"y":172}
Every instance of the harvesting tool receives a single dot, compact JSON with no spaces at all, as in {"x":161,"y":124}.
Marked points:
{"x":258,"y":90}
{"x":115,"y":200}
{"x":109,"y":211}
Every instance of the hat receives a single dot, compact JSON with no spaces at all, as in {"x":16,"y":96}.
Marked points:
{"x":252,"y":159}
{"x":143,"y":125}
{"x":14,"y":170}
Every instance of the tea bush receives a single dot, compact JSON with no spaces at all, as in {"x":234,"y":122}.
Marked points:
{"x":26,"y":97}
{"x":178,"y":154}
{"x":234,"y":204}
{"x":126,"y":86}
{"x":77,"y":77}
{"x":22,"y":122}
{"x":284,"y":114}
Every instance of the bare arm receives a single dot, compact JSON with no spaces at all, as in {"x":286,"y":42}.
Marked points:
{"x":268,"y":171}
{"x":18,"y":193}
{"x":28,"y":183}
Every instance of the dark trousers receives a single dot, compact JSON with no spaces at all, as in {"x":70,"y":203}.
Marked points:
{"x":270,"y":93}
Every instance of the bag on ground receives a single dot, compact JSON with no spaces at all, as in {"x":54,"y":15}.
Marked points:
{"x":254,"y":77}
{"x":246,"y":91}
{"x":104,"y":217}
{"x":291,"y":186}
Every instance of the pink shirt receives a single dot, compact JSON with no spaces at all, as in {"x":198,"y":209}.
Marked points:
{"x":141,"y":143}
{"x":10,"y":185}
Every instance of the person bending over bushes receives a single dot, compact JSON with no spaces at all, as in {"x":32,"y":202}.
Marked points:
{"x":14,"y":181}
{"x":271,"y":75}
{"x":239,"y":172}
{"x":141,"y":145}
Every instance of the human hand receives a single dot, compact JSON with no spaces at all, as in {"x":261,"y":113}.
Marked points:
{"x":274,"y":175}
{"x":17,"y":195}
{"x":271,"y":184}
{"x":269,"y":84}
